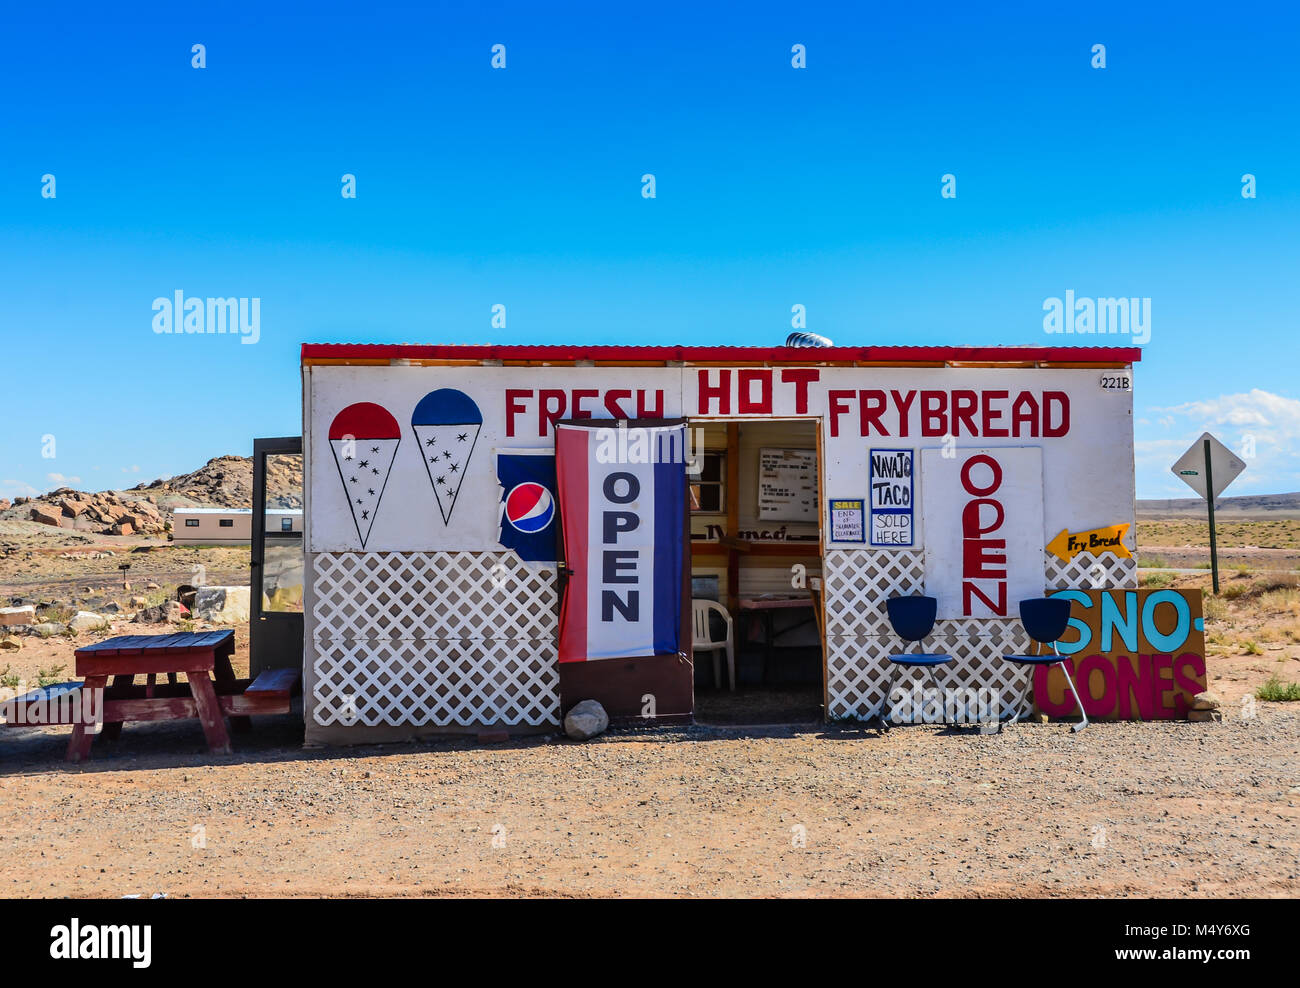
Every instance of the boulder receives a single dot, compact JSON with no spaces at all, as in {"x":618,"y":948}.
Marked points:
{"x":168,"y":612}
{"x":45,"y":516}
{"x":586,"y":720}
{"x":101,"y":514}
{"x":222,"y":605}
{"x":1206,"y":701}
{"x":123,"y":528}
{"x":73,"y":507}
{"x":10,"y":644}
{"x":4,"y":504}
{"x":138,"y":602}
{"x":1204,"y":716}
{"x":48,"y":629}
{"x":10,"y":616}
{"x":88,"y":621}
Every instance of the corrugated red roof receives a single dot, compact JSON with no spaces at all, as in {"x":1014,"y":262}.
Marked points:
{"x":714,"y":354}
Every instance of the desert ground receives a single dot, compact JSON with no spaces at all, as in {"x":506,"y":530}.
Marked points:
{"x":1134,"y":809}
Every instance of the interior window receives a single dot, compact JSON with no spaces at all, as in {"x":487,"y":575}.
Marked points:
{"x":707,"y":490}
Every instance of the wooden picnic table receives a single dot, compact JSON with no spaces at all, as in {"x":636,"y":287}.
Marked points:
{"x":211,"y":692}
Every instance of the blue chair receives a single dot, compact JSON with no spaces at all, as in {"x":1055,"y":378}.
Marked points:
{"x":1045,"y":620}
{"x":912,"y":619}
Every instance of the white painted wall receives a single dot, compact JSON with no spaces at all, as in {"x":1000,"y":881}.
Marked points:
{"x":1087,"y":472}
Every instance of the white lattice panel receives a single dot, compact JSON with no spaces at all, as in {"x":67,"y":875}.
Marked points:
{"x":430,"y":595}
{"x":857,"y":582}
{"x":858,"y":669}
{"x":436,"y":683}
{"x":1087,"y":572}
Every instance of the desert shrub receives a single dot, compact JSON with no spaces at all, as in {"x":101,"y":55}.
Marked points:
{"x":1277,"y":690}
{"x":50,"y":676}
{"x":9,"y":679}
{"x":1215,"y":609}
{"x":1282,"y":581}
{"x":1157,"y":579}
{"x":1153,"y":562}
{"x":1285,"y":601}
{"x":1252,"y":648}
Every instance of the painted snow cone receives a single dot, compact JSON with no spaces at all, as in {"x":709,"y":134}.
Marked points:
{"x":364,"y":437}
{"x":446,"y":423}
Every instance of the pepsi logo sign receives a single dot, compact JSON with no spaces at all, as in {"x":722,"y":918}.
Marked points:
{"x":530,"y":507}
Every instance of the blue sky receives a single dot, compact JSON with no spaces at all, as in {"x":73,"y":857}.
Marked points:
{"x":522,"y":186}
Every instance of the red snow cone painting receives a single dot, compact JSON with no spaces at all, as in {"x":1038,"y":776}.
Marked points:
{"x":364,"y":438}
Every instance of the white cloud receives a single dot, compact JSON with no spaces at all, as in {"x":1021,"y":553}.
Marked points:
{"x":16,"y":488}
{"x":1268,"y":422}
{"x":133,"y":468}
{"x":60,"y":480}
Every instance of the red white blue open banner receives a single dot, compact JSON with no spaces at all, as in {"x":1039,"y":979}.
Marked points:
{"x":622,"y":505}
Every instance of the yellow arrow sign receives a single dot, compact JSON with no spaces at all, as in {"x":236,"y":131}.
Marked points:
{"x":1109,"y":539}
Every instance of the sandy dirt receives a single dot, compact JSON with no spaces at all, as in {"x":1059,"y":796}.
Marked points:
{"x":1119,"y":810}
{"x":1154,"y":809}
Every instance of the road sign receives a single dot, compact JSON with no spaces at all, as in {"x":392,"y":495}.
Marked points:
{"x":1225,"y":465}
{"x":1209,"y":466}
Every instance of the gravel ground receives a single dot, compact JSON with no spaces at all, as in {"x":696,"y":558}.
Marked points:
{"x":1155,"y":809}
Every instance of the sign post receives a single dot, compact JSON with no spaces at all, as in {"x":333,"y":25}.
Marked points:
{"x":1214,"y":544}
{"x":1206,"y":459}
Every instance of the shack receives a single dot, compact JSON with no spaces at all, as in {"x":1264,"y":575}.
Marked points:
{"x":494,"y":533}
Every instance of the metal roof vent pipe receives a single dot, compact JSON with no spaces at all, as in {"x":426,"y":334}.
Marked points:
{"x":807,"y":339}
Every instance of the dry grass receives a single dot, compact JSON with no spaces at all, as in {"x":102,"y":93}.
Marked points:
{"x":1283,"y":533}
{"x":1156,"y":580}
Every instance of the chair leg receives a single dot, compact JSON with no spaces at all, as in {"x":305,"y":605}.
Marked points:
{"x":883,"y":713}
{"x":1065,"y":668}
{"x":1026,"y":697}
{"x":731,"y":664}
{"x":717,"y":669}
{"x":934,"y":683}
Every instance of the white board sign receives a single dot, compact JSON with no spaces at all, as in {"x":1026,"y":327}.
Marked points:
{"x":787,"y":484}
{"x":1225,"y":464}
{"x":890,"y":481}
{"x":984,"y":534}
{"x":847,"y":520}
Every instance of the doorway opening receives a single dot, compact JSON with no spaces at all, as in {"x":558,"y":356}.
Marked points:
{"x":755,"y":522}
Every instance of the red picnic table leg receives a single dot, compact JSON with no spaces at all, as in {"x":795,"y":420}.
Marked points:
{"x":113,"y":731}
{"x":209,"y":711}
{"x":79,"y":743}
{"x":224,"y":672}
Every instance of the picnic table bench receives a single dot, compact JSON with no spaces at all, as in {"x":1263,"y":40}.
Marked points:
{"x":211,"y":692}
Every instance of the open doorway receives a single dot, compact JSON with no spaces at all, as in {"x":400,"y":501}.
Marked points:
{"x":756,"y":556}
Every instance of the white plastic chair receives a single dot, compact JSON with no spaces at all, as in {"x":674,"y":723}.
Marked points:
{"x":704,"y":641}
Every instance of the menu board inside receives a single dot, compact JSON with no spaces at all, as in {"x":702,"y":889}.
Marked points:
{"x":787,"y":484}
